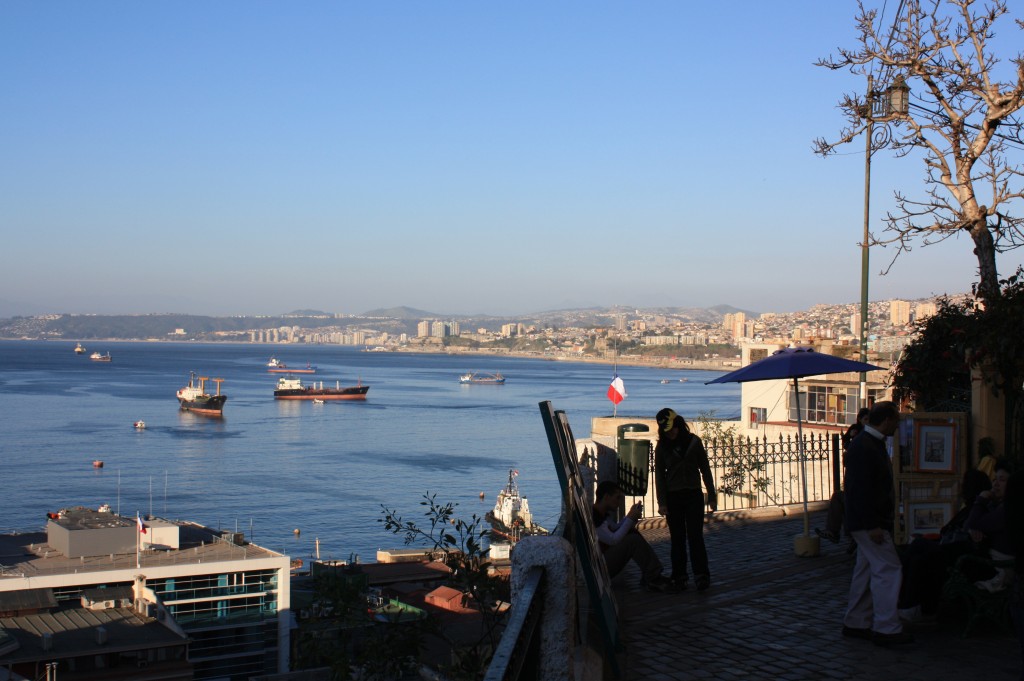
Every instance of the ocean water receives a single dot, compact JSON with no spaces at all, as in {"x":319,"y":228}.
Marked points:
{"x":269,"y":467}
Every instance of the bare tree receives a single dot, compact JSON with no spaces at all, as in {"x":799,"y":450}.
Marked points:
{"x":962,"y":120}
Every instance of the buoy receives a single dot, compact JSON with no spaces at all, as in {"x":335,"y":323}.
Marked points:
{"x":97,"y":464}
{"x":481,"y":495}
{"x":296,"y":532}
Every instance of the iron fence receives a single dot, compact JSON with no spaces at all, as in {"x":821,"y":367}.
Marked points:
{"x":748,"y":472}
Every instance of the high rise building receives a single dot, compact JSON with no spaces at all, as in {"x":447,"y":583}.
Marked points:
{"x":924,"y":311}
{"x":423,"y":329}
{"x":899,"y":312}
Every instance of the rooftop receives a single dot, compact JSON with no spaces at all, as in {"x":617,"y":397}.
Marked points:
{"x":29,"y":554}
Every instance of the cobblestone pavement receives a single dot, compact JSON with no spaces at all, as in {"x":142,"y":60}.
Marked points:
{"x":770,"y":614}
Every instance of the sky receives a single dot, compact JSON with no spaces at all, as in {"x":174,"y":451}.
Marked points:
{"x":260,"y":157}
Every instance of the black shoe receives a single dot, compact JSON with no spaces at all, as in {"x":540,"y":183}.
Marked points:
{"x":682,"y":583}
{"x":886,"y":640}
{"x":827,"y":534}
{"x":660,"y":584}
{"x":857,"y":632}
{"x":703,"y":582}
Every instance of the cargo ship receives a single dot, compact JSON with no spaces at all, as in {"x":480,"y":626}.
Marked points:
{"x":289,"y":388}
{"x":276,"y":366}
{"x":193,"y":397}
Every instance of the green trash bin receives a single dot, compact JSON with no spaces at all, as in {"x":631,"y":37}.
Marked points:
{"x":633,"y":459}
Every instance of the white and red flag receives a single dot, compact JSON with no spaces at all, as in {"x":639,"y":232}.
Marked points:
{"x":142,"y":525}
{"x":617,"y":390}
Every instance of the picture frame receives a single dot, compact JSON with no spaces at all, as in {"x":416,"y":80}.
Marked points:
{"x":927,"y":517}
{"x":935,"y":446}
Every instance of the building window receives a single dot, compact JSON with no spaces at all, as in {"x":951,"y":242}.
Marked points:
{"x":758,"y":415}
{"x":830,"y":405}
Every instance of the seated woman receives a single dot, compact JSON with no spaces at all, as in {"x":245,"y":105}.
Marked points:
{"x":927,"y":561}
{"x":987,"y":523}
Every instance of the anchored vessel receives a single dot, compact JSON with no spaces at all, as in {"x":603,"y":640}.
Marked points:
{"x":79,"y":349}
{"x":193,"y":397}
{"x":474,"y":377}
{"x":511,"y":517}
{"x":276,"y":366}
{"x":289,"y":388}
{"x":97,"y":357}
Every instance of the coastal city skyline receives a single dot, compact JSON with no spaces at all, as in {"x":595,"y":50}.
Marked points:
{"x":253,"y":158}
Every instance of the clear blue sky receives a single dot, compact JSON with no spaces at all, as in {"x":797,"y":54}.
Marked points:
{"x":459,"y":157}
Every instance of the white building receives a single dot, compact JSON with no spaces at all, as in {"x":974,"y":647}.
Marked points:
{"x":225,"y":601}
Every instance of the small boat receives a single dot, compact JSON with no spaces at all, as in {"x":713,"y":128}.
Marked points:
{"x":97,"y":357}
{"x":97,"y":464}
{"x":289,"y":388}
{"x":511,"y":517}
{"x":193,"y":397}
{"x":683,"y":380}
{"x":276,"y":366}
{"x":317,"y":400}
{"x":79,"y":349}
{"x":665,"y":381}
{"x":139,"y":425}
{"x":474,"y":377}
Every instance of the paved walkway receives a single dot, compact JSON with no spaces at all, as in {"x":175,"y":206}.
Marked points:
{"x":774,"y":616}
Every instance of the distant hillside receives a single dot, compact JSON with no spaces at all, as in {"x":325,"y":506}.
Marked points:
{"x":404,"y":313}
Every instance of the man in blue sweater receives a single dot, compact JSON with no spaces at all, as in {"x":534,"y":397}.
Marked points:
{"x":870,"y":515}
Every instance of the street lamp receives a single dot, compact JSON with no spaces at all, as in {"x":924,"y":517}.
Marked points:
{"x":880,"y":106}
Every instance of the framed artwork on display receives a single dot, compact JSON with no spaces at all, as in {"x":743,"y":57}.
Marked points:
{"x":927,"y":517}
{"x":935,"y":443}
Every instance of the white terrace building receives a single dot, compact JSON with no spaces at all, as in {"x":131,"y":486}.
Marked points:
{"x":185,"y":601}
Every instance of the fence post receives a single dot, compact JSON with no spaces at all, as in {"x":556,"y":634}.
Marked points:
{"x":837,"y":464}
{"x":558,"y":625}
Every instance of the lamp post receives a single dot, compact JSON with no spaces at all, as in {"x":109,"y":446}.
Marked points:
{"x":882,"y":107}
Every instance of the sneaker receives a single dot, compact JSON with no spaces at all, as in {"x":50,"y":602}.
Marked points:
{"x":886,"y":640}
{"x":911,"y":614}
{"x":660,"y":584}
{"x":827,"y":534}
{"x":857,"y":632}
{"x":703,"y":582}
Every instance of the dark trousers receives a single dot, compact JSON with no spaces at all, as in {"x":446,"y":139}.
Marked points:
{"x":686,"y":527}
{"x":836,"y":513}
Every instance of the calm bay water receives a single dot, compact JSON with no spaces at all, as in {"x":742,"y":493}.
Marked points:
{"x":268,"y":467}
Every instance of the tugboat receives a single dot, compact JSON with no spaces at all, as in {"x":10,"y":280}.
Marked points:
{"x":511,"y":517}
{"x":79,"y":349}
{"x":193,"y":397}
{"x":292,"y":389}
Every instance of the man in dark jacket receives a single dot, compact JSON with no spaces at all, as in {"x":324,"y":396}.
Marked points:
{"x":870,"y":515}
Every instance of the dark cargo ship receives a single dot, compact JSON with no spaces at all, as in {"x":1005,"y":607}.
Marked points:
{"x":193,"y":396}
{"x":292,"y":389}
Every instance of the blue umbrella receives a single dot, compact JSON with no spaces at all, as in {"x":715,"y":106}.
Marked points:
{"x":795,"y":363}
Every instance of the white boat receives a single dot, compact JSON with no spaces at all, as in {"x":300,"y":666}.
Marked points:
{"x":97,"y":357}
{"x":511,"y":517}
{"x":665,"y":380}
{"x":474,"y":377}
{"x":274,"y":362}
{"x":139,"y":425}
{"x":318,"y":401}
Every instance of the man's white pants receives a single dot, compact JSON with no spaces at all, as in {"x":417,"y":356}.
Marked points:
{"x":875,"y":587}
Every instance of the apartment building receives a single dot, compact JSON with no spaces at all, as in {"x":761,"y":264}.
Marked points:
{"x":95,"y":597}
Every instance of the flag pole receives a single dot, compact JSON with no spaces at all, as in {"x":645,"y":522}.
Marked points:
{"x":138,"y":536}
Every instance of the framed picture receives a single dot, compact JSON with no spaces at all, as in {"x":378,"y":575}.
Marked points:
{"x":936,"y":446}
{"x":927,"y":517}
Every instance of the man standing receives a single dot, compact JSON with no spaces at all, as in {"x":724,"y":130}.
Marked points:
{"x":620,"y":542}
{"x":870,"y":514}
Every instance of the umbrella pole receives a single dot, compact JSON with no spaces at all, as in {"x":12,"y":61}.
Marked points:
{"x":803,"y":465}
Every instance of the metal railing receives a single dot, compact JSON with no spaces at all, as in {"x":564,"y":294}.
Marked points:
{"x":517,"y":654}
{"x":748,"y":472}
